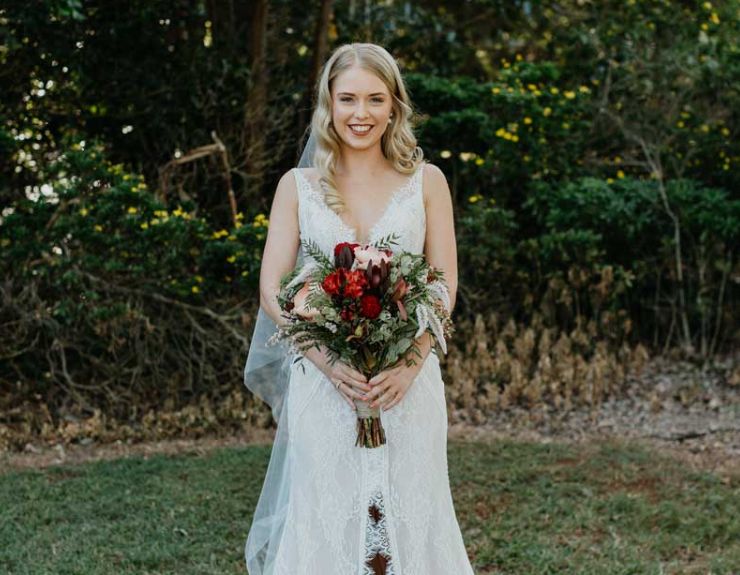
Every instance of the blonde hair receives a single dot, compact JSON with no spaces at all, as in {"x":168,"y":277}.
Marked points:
{"x":398,"y":141}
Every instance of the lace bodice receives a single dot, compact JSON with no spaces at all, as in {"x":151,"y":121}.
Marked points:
{"x":404,"y":215}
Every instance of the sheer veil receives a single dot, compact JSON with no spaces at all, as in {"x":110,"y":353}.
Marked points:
{"x":267,"y":375}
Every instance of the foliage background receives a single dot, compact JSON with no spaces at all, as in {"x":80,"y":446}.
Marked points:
{"x":591,"y":149}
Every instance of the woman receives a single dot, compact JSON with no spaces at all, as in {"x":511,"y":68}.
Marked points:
{"x":328,"y":507}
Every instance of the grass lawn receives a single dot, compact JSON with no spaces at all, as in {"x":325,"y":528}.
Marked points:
{"x":596,"y":509}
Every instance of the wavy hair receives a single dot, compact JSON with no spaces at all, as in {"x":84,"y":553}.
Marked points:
{"x":398,"y":141}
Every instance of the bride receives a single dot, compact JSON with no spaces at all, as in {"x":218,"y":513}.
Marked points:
{"x":328,"y":507}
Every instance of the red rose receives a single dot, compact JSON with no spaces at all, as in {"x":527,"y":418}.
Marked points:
{"x":356,"y":281}
{"x":346,"y":314}
{"x":339,"y":246}
{"x":370,"y":306}
{"x":333,"y":282}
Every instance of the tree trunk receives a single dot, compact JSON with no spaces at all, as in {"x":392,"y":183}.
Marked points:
{"x":255,"y":112}
{"x":320,"y":50}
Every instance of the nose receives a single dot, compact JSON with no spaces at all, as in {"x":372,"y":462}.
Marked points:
{"x":361,"y":111}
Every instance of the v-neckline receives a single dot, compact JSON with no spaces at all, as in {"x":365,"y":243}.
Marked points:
{"x":371,"y":231}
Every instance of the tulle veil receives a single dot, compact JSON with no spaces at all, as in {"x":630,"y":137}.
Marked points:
{"x":267,"y":375}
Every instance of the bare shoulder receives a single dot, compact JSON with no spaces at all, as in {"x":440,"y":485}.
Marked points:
{"x":286,"y":187}
{"x":435,"y":183}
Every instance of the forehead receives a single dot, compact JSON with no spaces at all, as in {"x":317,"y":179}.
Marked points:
{"x":357,"y":80}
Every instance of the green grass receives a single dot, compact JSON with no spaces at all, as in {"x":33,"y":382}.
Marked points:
{"x":524,"y":508}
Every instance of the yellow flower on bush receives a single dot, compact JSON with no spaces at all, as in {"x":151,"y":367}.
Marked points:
{"x":620,"y":174}
{"x":220,"y":234}
{"x":261,"y":220}
{"x":495,"y":90}
{"x":479,"y":161}
{"x":725,"y":132}
{"x":144,"y":225}
{"x":527,"y":120}
{"x":714,"y":18}
{"x":195,"y":289}
{"x":83,"y":212}
{"x":445,"y":154}
{"x":570,"y":94}
{"x":547,"y":111}
{"x":231,"y":259}
{"x":474,"y":198}
{"x":199,"y":279}
{"x":554,"y":90}
{"x":98,"y":228}
{"x":132,"y":210}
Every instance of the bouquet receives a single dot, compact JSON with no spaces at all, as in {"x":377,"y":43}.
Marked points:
{"x":367,"y":306}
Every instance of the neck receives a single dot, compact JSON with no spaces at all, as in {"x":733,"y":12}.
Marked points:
{"x":361,"y":163}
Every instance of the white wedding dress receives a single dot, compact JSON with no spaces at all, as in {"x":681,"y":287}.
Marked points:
{"x":353,"y":510}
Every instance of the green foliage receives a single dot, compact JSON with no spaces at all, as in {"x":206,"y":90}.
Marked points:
{"x":94,"y":218}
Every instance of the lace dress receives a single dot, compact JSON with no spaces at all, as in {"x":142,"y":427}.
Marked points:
{"x":358,"y":511}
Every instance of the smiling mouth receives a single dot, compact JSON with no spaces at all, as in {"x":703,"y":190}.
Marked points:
{"x":360,"y":129}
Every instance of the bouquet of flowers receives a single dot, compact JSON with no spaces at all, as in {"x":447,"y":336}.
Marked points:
{"x":367,"y":306}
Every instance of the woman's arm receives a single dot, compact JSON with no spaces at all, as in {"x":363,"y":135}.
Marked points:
{"x":440,"y":246}
{"x":279,"y":258}
{"x":281,"y":246}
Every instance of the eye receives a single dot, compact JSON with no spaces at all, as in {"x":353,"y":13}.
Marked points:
{"x":345,"y":99}
{"x":378,"y":99}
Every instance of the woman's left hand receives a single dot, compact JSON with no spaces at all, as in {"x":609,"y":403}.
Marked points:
{"x":390,"y":385}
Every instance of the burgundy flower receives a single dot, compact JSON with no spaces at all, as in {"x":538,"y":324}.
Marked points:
{"x":340,"y":245}
{"x":370,"y":306}
{"x":347,"y":314}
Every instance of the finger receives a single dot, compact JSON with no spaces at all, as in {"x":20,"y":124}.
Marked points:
{"x":356,"y":378}
{"x":381,"y":377}
{"x":349,"y":400}
{"x":348,"y":390}
{"x":393,"y":402}
{"x":359,"y":375}
{"x":361,"y":389}
{"x":383,"y":397}
{"x":378,"y":390}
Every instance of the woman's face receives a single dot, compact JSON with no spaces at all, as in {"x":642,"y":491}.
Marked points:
{"x":361,"y":106}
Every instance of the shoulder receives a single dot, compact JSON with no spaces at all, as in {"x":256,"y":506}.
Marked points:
{"x":286,"y":191}
{"x":434,"y":183}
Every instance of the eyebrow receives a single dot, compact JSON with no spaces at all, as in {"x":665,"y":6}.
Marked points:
{"x":351,"y":94}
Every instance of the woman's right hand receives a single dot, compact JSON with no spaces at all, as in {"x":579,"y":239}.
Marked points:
{"x":349,"y":382}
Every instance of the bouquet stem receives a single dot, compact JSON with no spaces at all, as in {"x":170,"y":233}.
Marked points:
{"x":370,"y":432}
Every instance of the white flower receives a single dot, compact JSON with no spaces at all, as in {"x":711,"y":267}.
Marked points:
{"x":364,"y":255}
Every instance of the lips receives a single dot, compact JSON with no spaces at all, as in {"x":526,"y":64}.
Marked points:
{"x":360,"y":129}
